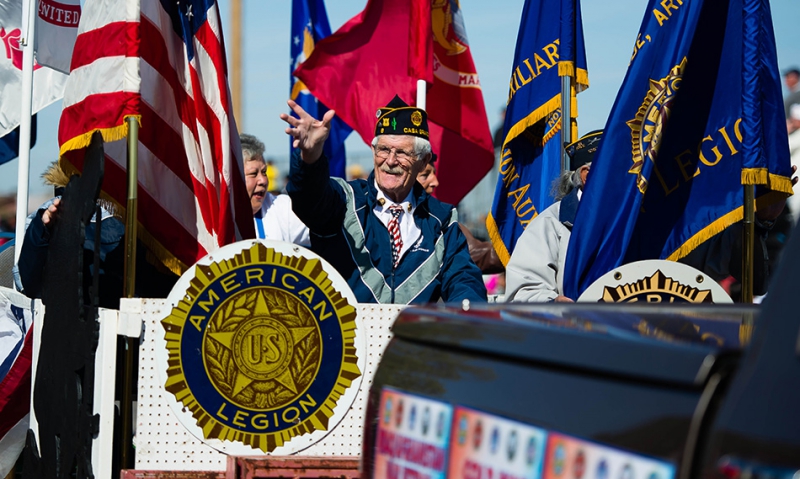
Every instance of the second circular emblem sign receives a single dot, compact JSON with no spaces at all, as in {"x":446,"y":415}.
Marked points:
{"x":263,"y":348}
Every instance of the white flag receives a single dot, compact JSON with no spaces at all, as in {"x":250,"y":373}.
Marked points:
{"x":56,"y":30}
{"x":48,"y":85}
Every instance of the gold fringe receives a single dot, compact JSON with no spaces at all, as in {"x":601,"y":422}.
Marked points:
{"x":745,"y":334}
{"x":548,"y":107}
{"x":762,"y":176}
{"x":109,"y":134}
{"x":581,"y":76}
{"x":780,"y":183}
{"x":704,"y":234}
{"x":55,"y":176}
{"x":721,"y":223}
{"x":155,"y":249}
{"x":566,"y":69}
{"x":582,"y":79}
{"x":550,"y":134}
{"x":497,"y":241}
{"x":754,"y":176}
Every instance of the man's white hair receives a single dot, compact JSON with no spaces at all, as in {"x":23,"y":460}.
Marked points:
{"x":422,"y":147}
{"x":566,"y":182}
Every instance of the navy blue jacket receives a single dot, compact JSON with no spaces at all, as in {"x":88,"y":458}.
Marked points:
{"x":348,"y":235}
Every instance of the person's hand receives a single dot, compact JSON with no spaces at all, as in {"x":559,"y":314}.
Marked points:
{"x":50,"y":215}
{"x":771,"y":212}
{"x":563,"y":299}
{"x":309,"y":133}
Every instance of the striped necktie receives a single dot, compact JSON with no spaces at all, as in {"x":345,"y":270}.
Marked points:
{"x":394,"y":232}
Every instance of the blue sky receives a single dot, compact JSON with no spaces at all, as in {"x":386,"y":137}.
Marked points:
{"x":609,"y":30}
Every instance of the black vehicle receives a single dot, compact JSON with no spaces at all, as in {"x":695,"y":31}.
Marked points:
{"x":591,"y":391}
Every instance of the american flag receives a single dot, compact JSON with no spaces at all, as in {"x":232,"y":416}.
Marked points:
{"x":164,"y":63}
{"x":16,"y":337}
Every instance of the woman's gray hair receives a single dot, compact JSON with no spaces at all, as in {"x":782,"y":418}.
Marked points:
{"x":564,"y":184}
{"x":252,"y":147}
{"x":422,"y":147}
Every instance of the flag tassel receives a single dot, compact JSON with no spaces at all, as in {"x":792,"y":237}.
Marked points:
{"x":114,"y":133}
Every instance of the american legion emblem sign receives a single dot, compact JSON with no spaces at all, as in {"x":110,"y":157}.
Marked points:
{"x":263,"y":349}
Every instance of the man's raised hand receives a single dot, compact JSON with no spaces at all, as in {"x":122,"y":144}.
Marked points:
{"x":309,"y":133}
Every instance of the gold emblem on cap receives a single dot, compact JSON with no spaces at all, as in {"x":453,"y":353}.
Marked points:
{"x":386,"y":121}
{"x":416,"y":118}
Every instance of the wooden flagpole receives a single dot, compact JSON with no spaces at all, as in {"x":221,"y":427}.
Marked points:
{"x":748,"y":243}
{"x":129,"y":287}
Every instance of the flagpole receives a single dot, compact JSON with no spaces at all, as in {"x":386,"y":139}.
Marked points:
{"x":23,"y":171}
{"x":748,"y":243}
{"x":236,"y":61}
{"x":422,"y":92}
{"x":130,"y":289}
{"x":566,"y":120}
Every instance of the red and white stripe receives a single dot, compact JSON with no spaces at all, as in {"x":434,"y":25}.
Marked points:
{"x":129,"y":61}
{"x":15,"y":397}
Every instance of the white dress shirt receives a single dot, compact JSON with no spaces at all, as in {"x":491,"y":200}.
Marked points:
{"x":409,"y":230}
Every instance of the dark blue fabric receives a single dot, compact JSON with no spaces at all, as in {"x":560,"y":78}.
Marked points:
{"x":550,"y":33}
{"x":150,"y":281}
{"x":9,"y":144}
{"x":569,"y":208}
{"x":309,"y":18}
{"x":668,"y":174}
{"x":187,"y":17}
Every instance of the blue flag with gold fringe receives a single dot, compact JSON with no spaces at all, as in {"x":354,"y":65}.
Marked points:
{"x":698,"y":115}
{"x":309,"y":26}
{"x":549,"y":45}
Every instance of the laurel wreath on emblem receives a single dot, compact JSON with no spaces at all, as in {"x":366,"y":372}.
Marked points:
{"x":261,"y":348}
{"x":302,"y":366}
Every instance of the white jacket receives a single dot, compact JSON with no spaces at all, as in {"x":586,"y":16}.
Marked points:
{"x":277,"y":221}
{"x":535,"y":272}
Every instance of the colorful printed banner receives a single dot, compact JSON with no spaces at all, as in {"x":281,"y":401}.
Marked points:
{"x":576,"y":459}
{"x":412,"y":437}
{"x":488,"y":446}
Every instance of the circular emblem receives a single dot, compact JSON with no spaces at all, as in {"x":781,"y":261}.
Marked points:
{"x":416,"y":118}
{"x":387,"y":411}
{"x":398,"y":418}
{"x":463,"y":424}
{"x":495,"y":440}
{"x":511,"y":448}
{"x":262,"y":347}
{"x":477,"y":435}
{"x":627,"y":472}
{"x":559,"y":456}
{"x":655,"y":281}
{"x":602,"y":470}
{"x":530,"y":452}
{"x":440,"y":428}
{"x":579,"y":467}
{"x":651,"y":117}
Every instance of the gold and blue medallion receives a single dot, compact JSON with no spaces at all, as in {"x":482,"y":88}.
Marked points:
{"x":262,"y":348}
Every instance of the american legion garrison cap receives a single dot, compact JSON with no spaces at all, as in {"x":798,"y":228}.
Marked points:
{"x":398,"y":118}
{"x":582,"y":151}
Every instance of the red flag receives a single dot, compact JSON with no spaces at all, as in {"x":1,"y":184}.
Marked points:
{"x":365,"y":63}
{"x":163,"y":63}
{"x":456,"y":113}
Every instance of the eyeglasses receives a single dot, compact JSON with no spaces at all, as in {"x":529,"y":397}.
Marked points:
{"x":384,"y":152}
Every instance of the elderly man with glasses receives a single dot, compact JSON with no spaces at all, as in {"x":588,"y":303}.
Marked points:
{"x":391,"y":241}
